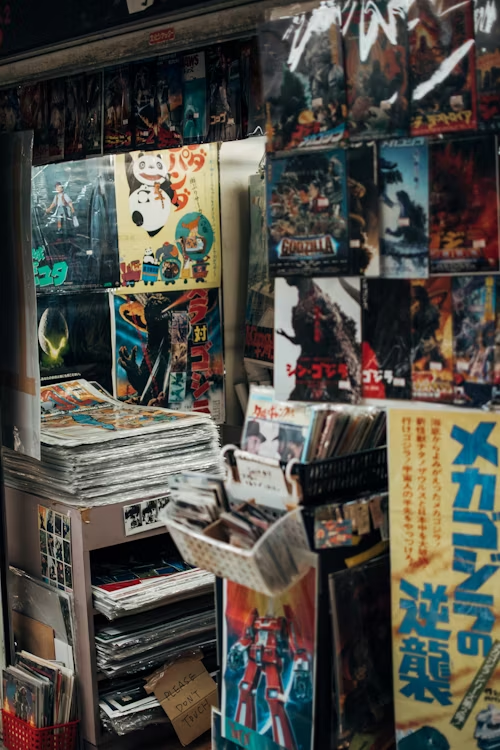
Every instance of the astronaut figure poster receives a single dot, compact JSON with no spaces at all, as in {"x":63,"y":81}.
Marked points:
{"x":168,"y":218}
{"x":269,"y":666}
{"x":487,"y":32}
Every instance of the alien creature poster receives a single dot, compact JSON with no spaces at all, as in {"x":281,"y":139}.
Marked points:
{"x":167,"y":350}
{"x":487,"y":32}
{"x":168,"y":219}
{"x":269,"y":666}
{"x":362,"y":186}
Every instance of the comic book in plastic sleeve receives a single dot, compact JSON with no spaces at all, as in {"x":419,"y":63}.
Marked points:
{"x":34,"y":115}
{"x":487,"y":48}
{"x":303,"y":84}
{"x":76,"y":117}
{"x":307,"y":214}
{"x":442,"y":65}
{"x":362,"y":187}
{"x":170,"y":101}
{"x":224,"y":89}
{"x":143,"y":77}
{"x":117,"y":109}
{"x":93,"y":127}
{"x":464,"y":206}
{"x":376,"y":63}
{"x":253,"y":116}
{"x":56,"y":94}
{"x":195,"y":117}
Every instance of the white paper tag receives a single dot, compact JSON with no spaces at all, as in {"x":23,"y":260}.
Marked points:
{"x":262,"y":480}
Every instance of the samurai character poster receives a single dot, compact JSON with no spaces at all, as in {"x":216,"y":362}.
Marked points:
{"x":74,"y":337}
{"x":144,"y":104}
{"x":404,"y":209}
{"x":307,"y":214}
{"x":168,"y":350}
{"x":432,"y":339}
{"x":10,"y":116}
{"x":73,"y":216}
{"x":170,"y":101}
{"x":303,"y":83}
{"x":93,"y":126}
{"x":268,"y":693}
{"x":474,"y":323}
{"x":362,"y":185}
{"x":56,"y":91}
{"x":117,"y":109}
{"x":386,"y":338}
{"x":317,"y":339}
{"x":76,"y":117}
{"x":487,"y":32}
{"x":253,"y":117}
{"x":223,"y":78}
{"x":34,"y":115}
{"x":442,"y":67}
{"x":376,"y":60}
{"x":464,"y":206}
{"x":168,"y":218}
{"x":195,"y":117}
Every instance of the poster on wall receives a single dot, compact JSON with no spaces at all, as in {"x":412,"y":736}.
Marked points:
{"x":487,"y":48}
{"x":168,"y":219}
{"x":443,"y":470}
{"x":362,"y":186}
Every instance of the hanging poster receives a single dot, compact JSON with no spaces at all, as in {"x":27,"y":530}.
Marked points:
{"x":55,"y":548}
{"x":362,"y":186}
{"x":487,"y":33}
{"x":56,"y":94}
{"x":170,"y":107}
{"x":443,"y":470}
{"x":93,"y":126}
{"x":223,"y":81}
{"x":76,"y":117}
{"x":117,"y":109}
{"x":195,"y":116}
{"x":168,"y":218}
{"x":33,"y":109}
{"x":144,"y":79}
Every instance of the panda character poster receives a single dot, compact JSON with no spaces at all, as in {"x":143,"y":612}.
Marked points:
{"x":168,"y":219}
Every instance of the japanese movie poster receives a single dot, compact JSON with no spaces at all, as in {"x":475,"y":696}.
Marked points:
{"x":404,"y":208}
{"x":432,"y":339}
{"x":73,"y":217}
{"x":143,"y":76}
{"x":253,"y":116}
{"x":76,"y":117}
{"x":317,"y":339}
{"x":487,"y":47}
{"x":34,"y":115}
{"x":307,"y":214}
{"x":287,"y":669}
{"x":93,"y":126}
{"x":170,"y":101}
{"x":56,"y":93}
{"x":464,"y":206}
{"x":362,"y":186}
{"x":224,"y":91}
{"x":445,"y":593}
{"x":168,"y":218}
{"x":195,"y":115}
{"x":10,"y":115}
{"x":117,"y":109}
{"x":259,"y":318}
{"x":386,"y":348}
{"x":474,"y":323}
{"x":167,"y":350}
{"x":303,"y":85}
{"x":376,"y":62}
{"x":441,"y":43}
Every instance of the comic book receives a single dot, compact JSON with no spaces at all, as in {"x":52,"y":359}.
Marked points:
{"x":195,"y":115}
{"x":317,"y":340}
{"x":307,"y":214}
{"x":117,"y":109}
{"x":22,"y":696}
{"x":93,"y":126}
{"x":167,"y":350}
{"x":34,"y":115}
{"x":303,"y":85}
{"x":56,"y":93}
{"x":170,"y":101}
{"x":253,"y":116}
{"x":386,"y":344}
{"x":362,"y":186}
{"x":376,"y":62}
{"x":73,"y":216}
{"x":144,"y":103}
{"x":464,"y":206}
{"x":168,"y":218}
{"x":76,"y":117}
{"x":223,"y":80}
{"x":404,"y":208}
{"x":432,"y":339}
{"x":10,"y":116}
{"x":443,"y":85}
{"x":487,"y":48}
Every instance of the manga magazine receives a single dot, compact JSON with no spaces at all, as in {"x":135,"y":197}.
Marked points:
{"x":464,"y":206}
{"x":362,"y":186}
{"x":404,"y":208}
{"x":117,"y":109}
{"x":303,"y":84}
{"x":224,"y":90}
{"x":432,"y":340}
{"x":76,"y":117}
{"x":167,"y":350}
{"x":441,"y":43}
{"x":170,"y":101}
{"x":253,"y":116}
{"x":33,"y":110}
{"x":268,"y":694}
{"x":195,"y":117}
{"x":376,"y":62}
{"x":56,"y":92}
{"x":487,"y":32}
{"x":144,"y":104}
{"x":93,"y":125}
{"x":307,"y":214}
{"x":317,"y":339}
{"x":386,"y":347}
{"x":73,"y":215}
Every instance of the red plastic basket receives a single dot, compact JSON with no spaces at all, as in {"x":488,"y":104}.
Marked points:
{"x":19,"y":735}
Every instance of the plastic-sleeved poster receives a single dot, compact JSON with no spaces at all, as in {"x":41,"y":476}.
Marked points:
{"x":144,"y":79}
{"x":117,"y":109}
{"x":487,"y":33}
{"x":170,"y":101}
{"x":362,"y":186}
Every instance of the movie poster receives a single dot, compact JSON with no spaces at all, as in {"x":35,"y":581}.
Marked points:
{"x":167,"y":350}
{"x":362,"y":186}
{"x":404,"y":208}
{"x":432,"y":339}
{"x":170,"y":102}
{"x":445,"y":592}
{"x":487,"y":47}
{"x":76,"y":117}
{"x":34,"y":115}
{"x":224,"y":90}
{"x":253,"y":116}
{"x":303,"y":83}
{"x":56,"y":93}
{"x":464,"y":206}
{"x":144,"y":104}
{"x":73,"y":219}
{"x":317,"y":340}
{"x":268,"y":694}
{"x":168,"y":218}
{"x":442,"y":66}
{"x":195,"y":116}
{"x":93,"y":127}
{"x":117,"y":109}
{"x":386,"y":348}
{"x":307,"y":214}
{"x":10,"y":116}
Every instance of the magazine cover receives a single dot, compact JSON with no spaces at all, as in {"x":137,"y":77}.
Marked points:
{"x":224,"y":90}
{"x":144,"y":103}
{"x":303,"y":84}
{"x":73,"y":215}
{"x":362,"y":185}
{"x":442,"y":66}
{"x":117,"y":109}
{"x":317,"y":340}
{"x":34,"y":115}
{"x":474,"y":323}
{"x":432,"y":339}
{"x":167,"y":350}
{"x":195,"y":115}
{"x":464,"y":206}
{"x":487,"y":48}
{"x":253,"y":116}
{"x":93,"y":127}
{"x":386,"y":348}
{"x":168,"y":218}
{"x":376,"y":62}
{"x":268,"y":693}
{"x":307,"y":214}
{"x":170,"y":101}
{"x":56,"y":90}
{"x":21,"y":697}
{"x":76,"y":117}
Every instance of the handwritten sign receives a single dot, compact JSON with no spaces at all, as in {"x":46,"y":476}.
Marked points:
{"x":263,"y":479}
